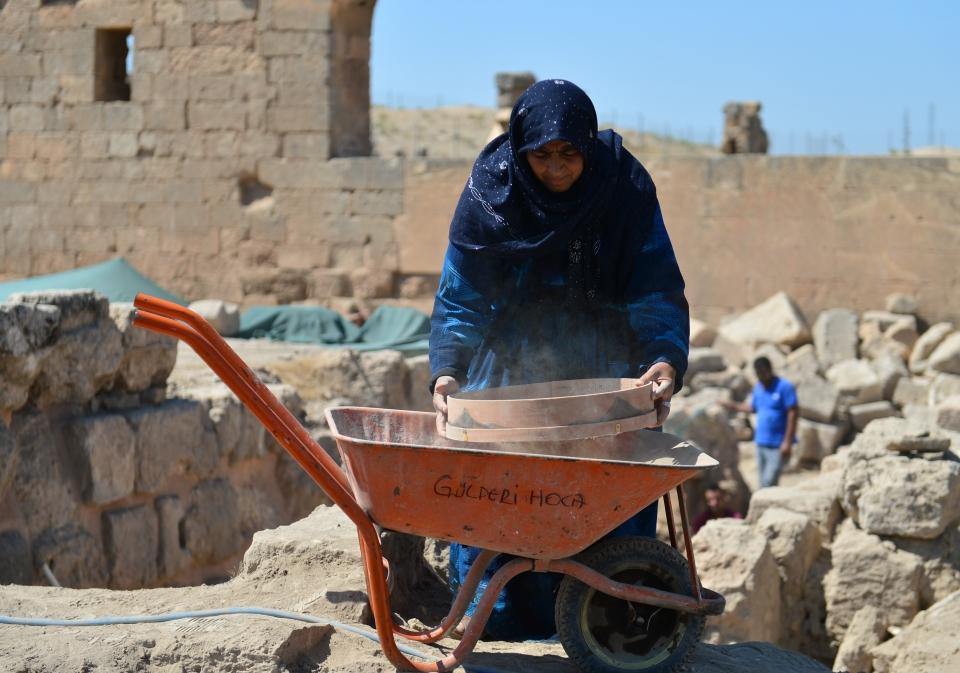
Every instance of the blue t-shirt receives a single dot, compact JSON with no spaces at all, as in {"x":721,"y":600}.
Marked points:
{"x":771,"y":405}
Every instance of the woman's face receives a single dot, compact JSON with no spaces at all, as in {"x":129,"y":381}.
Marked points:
{"x":557,"y":164}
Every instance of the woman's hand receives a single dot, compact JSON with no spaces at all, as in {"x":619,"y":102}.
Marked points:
{"x":445,"y":385}
{"x":662,"y":376}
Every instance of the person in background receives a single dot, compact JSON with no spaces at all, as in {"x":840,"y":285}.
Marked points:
{"x":559,"y":267}
{"x":774,"y":400}
{"x":717,"y":507}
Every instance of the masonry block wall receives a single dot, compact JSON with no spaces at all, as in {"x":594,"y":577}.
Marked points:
{"x":830,"y":231}
{"x":229,"y":162}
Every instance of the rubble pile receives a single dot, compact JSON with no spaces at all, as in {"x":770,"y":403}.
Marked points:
{"x":860,"y":554}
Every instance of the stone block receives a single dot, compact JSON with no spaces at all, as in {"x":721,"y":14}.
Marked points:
{"x":123,"y":145}
{"x":944,"y":386}
{"x":26,"y":118}
{"x":123,"y":117}
{"x":420,"y":397}
{"x":171,"y":557}
{"x":224,"y":316}
{"x":104,"y":450}
{"x":857,"y":380}
{"x":853,"y":582}
{"x":801,"y":364}
{"x":230,"y":11}
{"x":299,"y":15}
{"x":926,"y":344}
{"x":704,"y":360}
{"x":289,"y":43}
{"x":889,"y":369}
{"x":817,"y":399}
{"x":73,"y":554}
{"x":174,"y":440}
{"x":897,"y":495}
{"x":306,"y":145}
{"x":929,"y":642}
{"x":131,"y":539}
{"x":372,"y":283}
{"x":946,"y":356}
{"x":235,"y":34}
{"x":735,"y":560}
{"x":835,"y":336}
{"x":701,"y":334}
{"x":815,"y":441}
{"x":211,"y":525}
{"x":384,"y":202}
{"x":178,"y":35}
{"x":911,"y":390}
{"x":867,"y":629}
{"x":903,"y":435}
{"x":165,"y":116}
{"x":215,"y":116}
{"x":148,"y":357}
{"x":214,"y":59}
{"x":291,"y":118}
{"x":862,"y":414}
{"x":817,"y":498}
{"x":948,"y":414}
{"x":211,"y":87}
{"x":903,"y":331}
{"x":147,"y":35}
{"x":16,"y":558}
{"x":287,"y":285}
{"x":882,"y":319}
{"x":326,"y":283}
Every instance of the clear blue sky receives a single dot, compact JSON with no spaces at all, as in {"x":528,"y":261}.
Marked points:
{"x":824,"y":71}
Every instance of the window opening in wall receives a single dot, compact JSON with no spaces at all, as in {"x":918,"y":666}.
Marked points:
{"x":252,"y":191}
{"x":113,"y":64}
{"x":51,"y":3}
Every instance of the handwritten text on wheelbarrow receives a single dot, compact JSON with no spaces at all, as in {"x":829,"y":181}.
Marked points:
{"x":446,"y":487}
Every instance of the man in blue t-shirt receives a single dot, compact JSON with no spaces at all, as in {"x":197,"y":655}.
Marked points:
{"x":774,"y":400}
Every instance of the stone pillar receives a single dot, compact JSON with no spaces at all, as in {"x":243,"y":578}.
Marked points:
{"x":350,"y":22}
{"x":743,"y":131}
{"x":509,"y":87}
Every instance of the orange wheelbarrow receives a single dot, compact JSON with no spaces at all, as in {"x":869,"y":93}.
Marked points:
{"x":626,"y":604}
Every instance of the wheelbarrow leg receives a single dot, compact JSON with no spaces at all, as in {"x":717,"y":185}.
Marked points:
{"x":668,"y":510}
{"x":688,"y":543}
{"x":464,"y":595}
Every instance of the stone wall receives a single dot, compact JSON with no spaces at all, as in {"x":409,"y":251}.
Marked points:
{"x":106,"y":479}
{"x":236,"y":167}
{"x":830,"y":231}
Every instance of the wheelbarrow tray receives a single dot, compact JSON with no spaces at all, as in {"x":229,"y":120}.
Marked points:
{"x":545,"y":500}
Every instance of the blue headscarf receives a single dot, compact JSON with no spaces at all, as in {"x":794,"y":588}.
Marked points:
{"x":505,"y":210}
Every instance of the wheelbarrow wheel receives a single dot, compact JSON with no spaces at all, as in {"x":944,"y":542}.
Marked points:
{"x":603,"y":634}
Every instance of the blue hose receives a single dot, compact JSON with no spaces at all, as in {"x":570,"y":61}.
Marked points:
{"x":196,"y":614}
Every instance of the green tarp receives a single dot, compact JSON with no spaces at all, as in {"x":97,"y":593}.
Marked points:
{"x":396,"y":327}
{"x":116,"y":280}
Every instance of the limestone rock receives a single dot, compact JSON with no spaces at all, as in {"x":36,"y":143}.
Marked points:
{"x":77,"y":308}
{"x":777,"y":320}
{"x":223,"y":315}
{"x":16,"y":559}
{"x":929,"y":644}
{"x":815,"y":441}
{"x":944,"y":386}
{"x":914,"y":390}
{"x":926,"y":344}
{"x":835,"y":336}
{"x":26,"y":327}
{"x":733,"y":352}
{"x":941,"y":563}
{"x":896,"y":495}
{"x":946,"y":356}
{"x":899,"y":302}
{"x":130,"y":538}
{"x":903,"y":331}
{"x":862,"y":414}
{"x":104,"y":447}
{"x":211,"y":525}
{"x":817,"y":498}
{"x":817,"y":399}
{"x":735,"y":560}
{"x":902,"y":435}
{"x":889,"y":369}
{"x":238,"y":432}
{"x":882,"y":319}
{"x":866,"y":631}
{"x":321,"y":550}
{"x":857,"y":380}
{"x":171,"y":557}
{"x":701,"y":334}
{"x":704,"y":360}
{"x":148,"y":357}
{"x":869,"y":572}
{"x":730,"y":379}
{"x":73,"y":554}
{"x":802,"y":364}
{"x":948,"y":414}
{"x":173,"y":439}
{"x":419,"y":395}
{"x":42,"y":484}
{"x":794,"y":541}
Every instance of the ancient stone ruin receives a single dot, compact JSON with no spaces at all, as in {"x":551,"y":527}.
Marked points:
{"x":743,"y":131}
{"x":510,"y":85}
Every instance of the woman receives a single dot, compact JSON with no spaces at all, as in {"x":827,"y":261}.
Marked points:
{"x":559,"y":267}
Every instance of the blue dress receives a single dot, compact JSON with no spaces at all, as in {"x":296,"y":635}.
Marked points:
{"x":542,"y":287}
